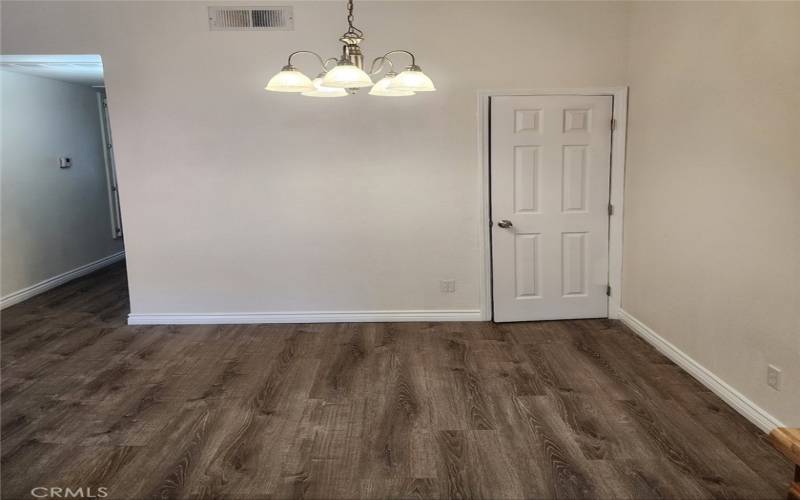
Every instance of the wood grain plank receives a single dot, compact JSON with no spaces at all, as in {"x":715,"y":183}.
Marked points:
{"x":557,"y":409}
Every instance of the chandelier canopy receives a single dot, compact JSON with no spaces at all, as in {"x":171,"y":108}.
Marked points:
{"x":346,"y":75}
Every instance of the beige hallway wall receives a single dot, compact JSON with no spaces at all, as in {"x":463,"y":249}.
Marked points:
{"x":712,"y":215}
{"x":53,"y":220}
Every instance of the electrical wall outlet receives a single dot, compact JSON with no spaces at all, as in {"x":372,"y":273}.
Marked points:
{"x":774,"y":377}
{"x":447,"y":286}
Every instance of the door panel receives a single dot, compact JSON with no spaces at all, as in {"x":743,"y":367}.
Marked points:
{"x":550,"y":169}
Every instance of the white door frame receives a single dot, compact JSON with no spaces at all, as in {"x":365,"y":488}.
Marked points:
{"x":618,"y":141}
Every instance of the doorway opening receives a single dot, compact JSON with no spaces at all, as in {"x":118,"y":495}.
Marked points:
{"x":61,"y":215}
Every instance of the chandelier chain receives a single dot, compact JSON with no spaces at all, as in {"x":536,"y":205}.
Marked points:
{"x":352,"y":30}
{"x":350,"y":17}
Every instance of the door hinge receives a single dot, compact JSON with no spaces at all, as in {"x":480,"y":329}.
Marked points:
{"x":613,"y":124}
{"x":610,"y":209}
{"x":608,"y":290}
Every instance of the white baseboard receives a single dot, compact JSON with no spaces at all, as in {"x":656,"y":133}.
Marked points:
{"x":305,"y":317}
{"x":50,"y":283}
{"x":734,"y":398}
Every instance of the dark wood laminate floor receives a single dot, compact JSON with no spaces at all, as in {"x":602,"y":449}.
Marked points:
{"x":572,"y":409}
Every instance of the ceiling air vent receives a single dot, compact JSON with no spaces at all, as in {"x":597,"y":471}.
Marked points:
{"x":250,"y":18}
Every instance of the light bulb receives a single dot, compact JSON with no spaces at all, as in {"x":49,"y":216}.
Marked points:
{"x":412,"y":79}
{"x":346,"y":76}
{"x":322,"y":91}
{"x":381,"y":88}
{"x":289,"y":80}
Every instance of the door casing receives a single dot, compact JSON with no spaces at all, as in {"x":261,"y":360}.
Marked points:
{"x":617,"y":184}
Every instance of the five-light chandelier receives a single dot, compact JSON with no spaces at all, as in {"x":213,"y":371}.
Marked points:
{"x":347,"y":74}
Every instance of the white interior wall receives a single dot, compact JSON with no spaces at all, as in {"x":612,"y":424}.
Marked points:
{"x":712,"y":206}
{"x":239,"y":200}
{"x":53,"y":220}
{"x":236,"y":200}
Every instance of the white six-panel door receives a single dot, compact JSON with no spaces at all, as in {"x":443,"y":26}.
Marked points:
{"x":550,"y":168}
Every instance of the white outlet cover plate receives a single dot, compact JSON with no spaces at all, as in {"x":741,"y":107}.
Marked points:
{"x":774,"y":377}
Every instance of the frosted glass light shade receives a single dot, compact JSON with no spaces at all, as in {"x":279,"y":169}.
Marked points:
{"x":381,"y":88}
{"x":290,"y":80}
{"x":412,"y":79}
{"x":346,"y":76}
{"x":321,"y":91}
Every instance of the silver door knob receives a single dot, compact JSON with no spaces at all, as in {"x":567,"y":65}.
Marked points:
{"x":505,"y":224}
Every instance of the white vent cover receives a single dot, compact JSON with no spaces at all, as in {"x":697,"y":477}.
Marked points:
{"x":250,"y":18}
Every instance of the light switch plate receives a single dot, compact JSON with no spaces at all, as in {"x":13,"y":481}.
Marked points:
{"x":64,"y":162}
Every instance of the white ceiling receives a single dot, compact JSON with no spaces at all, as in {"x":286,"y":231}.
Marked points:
{"x":81,"y":69}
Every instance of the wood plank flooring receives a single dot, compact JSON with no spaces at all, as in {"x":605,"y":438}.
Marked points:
{"x":568,"y":409}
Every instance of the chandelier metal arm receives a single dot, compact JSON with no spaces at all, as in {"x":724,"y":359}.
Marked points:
{"x":380,"y":60}
{"x":329,"y":60}
{"x":413,"y":60}
{"x":322,"y":62}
